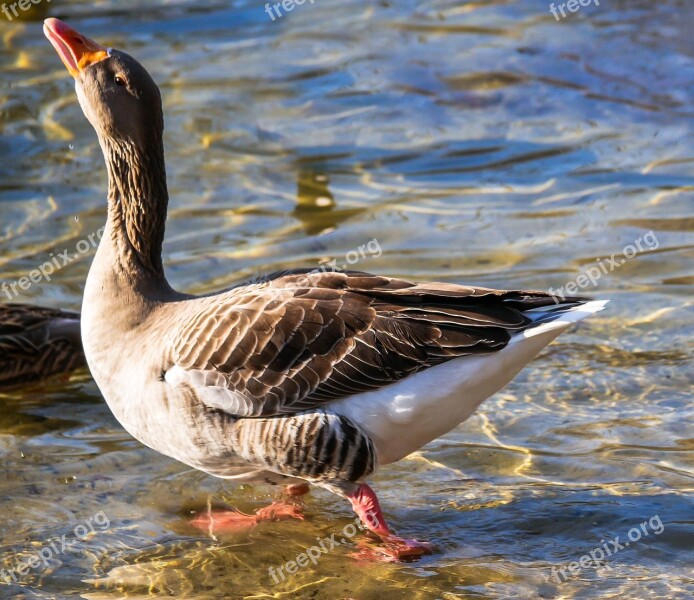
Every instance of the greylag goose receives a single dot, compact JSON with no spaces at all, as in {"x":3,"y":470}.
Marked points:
{"x":36,"y":343}
{"x":317,"y":377}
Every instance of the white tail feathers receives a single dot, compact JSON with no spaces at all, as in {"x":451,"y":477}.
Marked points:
{"x":564,"y":319}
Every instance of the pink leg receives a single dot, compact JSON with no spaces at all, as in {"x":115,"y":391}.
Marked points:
{"x":366,"y":505}
{"x":224,"y":521}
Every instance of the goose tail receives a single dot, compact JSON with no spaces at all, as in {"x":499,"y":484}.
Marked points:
{"x":555,"y":319}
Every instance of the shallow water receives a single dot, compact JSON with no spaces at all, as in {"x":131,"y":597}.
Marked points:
{"x":477,"y":142}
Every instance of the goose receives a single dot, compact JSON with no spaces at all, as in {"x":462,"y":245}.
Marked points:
{"x":307,"y":377}
{"x":37,"y":343}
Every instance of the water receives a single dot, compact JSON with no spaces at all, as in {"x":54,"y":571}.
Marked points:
{"x":477,"y":142}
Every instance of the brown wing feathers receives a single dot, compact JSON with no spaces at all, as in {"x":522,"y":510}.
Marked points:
{"x":307,"y":338}
{"x":37,"y":342}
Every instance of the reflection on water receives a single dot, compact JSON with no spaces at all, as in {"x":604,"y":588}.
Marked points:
{"x":477,"y":142}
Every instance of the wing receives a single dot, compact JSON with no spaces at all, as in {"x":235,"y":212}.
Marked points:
{"x":20,"y":318}
{"x":37,"y":342}
{"x":306,"y":338}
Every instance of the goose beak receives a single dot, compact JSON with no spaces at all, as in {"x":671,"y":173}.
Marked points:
{"x":75,"y":50}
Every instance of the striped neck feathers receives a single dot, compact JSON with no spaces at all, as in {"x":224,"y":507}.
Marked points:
{"x":138,"y":201}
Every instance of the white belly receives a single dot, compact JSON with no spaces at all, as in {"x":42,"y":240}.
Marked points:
{"x":403,"y":417}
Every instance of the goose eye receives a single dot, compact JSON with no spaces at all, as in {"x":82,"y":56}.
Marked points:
{"x":119,"y":80}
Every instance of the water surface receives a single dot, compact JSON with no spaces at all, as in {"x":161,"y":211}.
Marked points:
{"x":477,"y":142}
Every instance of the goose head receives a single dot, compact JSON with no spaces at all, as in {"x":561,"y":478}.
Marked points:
{"x":117,"y":94}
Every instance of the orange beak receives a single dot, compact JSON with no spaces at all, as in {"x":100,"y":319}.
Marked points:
{"x":76,"y":51}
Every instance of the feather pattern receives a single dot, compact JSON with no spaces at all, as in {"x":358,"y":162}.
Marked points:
{"x":36,"y":343}
{"x":317,"y":446}
{"x":289,"y":347}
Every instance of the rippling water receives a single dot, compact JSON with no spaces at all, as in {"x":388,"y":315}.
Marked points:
{"x":478,"y":142}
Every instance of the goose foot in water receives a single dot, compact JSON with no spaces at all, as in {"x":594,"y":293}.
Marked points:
{"x":289,"y":506}
{"x":230,"y":521}
{"x":393,"y":548}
